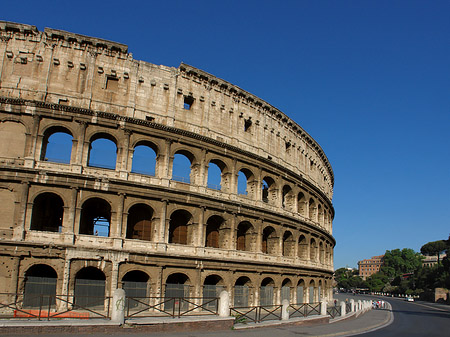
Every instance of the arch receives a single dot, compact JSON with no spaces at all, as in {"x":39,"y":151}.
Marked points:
{"x":241,"y":291}
{"x":321,"y":253}
{"x":144,"y":158}
{"x":287,"y":197}
{"x":320,"y":214}
{"x":182,"y":166}
{"x":319,"y":291}
{"x":47,"y":214}
{"x":89,"y":289}
{"x":311,"y":291}
{"x":288,"y":244}
{"x":139,"y":222}
{"x":269,"y":190}
{"x":12,"y":139}
{"x":286,"y":286}
{"x":40,"y":286}
{"x":176,"y":288}
{"x":266,"y":291}
{"x":136,"y":286}
{"x":301,"y":204}
{"x":312,"y":210}
{"x":313,"y":253}
{"x":212,"y":287}
{"x":179,"y":227}
{"x":302,"y":247}
{"x":301,"y":290}
{"x":103,"y":151}
{"x":216,"y":171}
{"x":215,"y":234}
{"x":244,"y":237}
{"x":57,"y":145}
{"x":246,"y":183}
{"x":269,"y":241}
{"x":95,"y":217}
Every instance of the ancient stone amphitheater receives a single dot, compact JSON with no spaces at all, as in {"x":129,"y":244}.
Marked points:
{"x":164,"y":181}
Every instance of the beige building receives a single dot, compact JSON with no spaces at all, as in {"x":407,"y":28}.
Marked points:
{"x":430,"y":261}
{"x":370,"y":266}
{"x":106,"y":167}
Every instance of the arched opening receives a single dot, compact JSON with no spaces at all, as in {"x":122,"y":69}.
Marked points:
{"x":89,"y":289}
{"x":57,"y":145}
{"x":178,"y":227}
{"x":95,"y":217}
{"x":144,"y":158}
{"x":301,"y":291}
{"x":320,"y":214}
{"x":47,"y":214}
{"x":319,"y":291}
{"x":313,"y":250}
{"x":269,"y":241}
{"x":286,"y":198}
{"x":288,"y":244}
{"x":12,"y":139}
{"x":212,"y":287}
{"x":215,"y":236}
{"x":266,"y":292}
{"x":301,"y":204}
{"x":247,"y":184}
{"x":103,"y":151}
{"x":302,"y":247}
{"x":312,"y":210}
{"x":40,"y":286}
{"x":286,"y":290}
{"x":242,"y":183}
{"x":241,"y":291}
{"x":321,"y":253}
{"x":269,"y":194}
{"x":181,"y":168}
{"x":312,"y":298}
{"x":135,"y":283}
{"x":177,"y":288}
{"x":244,"y":237}
{"x":216,"y":169}
{"x":139,"y":223}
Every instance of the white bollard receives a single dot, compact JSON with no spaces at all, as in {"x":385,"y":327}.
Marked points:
{"x":224,"y":304}
{"x":359,"y":305}
{"x":323,"y":308}
{"x":352,"y":302}
{"x":118,"y":306}
{"x":343,"y":313}
{"x":285,"y":310}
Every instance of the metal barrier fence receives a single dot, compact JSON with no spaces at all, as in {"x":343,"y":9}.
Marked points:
{"x":334,"y":311}
{"x":170,"y":306}
{"x":348,"y":307}
{"x":304,"y":309}
{"x":53,"y":306}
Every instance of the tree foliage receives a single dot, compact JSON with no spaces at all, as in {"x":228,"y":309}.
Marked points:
{"x":434,"y":248}
{"x":398,"y":262}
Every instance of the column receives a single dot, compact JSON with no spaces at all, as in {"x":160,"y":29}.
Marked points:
{"x":259,"y":225}
{"x":125,"y":153}
{"x":161,"y":231}
{"x":30,"y":144}
{"x":19,"y":230}
{"x":81,"y":143}
{"x":200,"y":242}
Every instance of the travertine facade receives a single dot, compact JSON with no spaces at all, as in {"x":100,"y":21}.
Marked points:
{"x":77,"y":219}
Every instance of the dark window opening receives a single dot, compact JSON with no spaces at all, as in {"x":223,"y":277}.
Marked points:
{"x":178,"y":227}
{"x":247,"y":124}
{"x":188,"y":102}
{"x":139,"y":224}
{"x":57,"y":146}
{"x":112,"y":83}
{"x":243,"y":239}
{"x":135,"y":284}
{"x":288,"y":145}
{"x":40,"y":286}
{"x":144,"y":159}
{"x":47,"y":213}
{"x":103,"y":152}
{"x":90,"y":288}
{"x":95,"y":217}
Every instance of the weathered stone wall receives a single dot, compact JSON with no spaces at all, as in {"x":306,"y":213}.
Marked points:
{"x":89,"y":89}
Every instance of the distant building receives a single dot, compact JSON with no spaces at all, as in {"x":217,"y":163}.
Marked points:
{"x":430,"y":261}
{"x":370,"y":266}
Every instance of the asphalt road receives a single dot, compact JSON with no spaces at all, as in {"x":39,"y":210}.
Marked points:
{"x":416,"y":319}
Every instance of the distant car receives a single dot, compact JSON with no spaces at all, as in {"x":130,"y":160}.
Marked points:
{"x":409,"y":299}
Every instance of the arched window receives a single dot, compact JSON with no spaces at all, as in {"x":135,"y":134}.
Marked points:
{"x":212,"y":287}
{"x":244,"y":236}
{"x":268,"y":190}
{"x":215,"y":172}
{"x":312,"y":210}
{"x":48,"y":209}
{"x":242,"y":183}
{"x":177,"y":288}
{"x":139,"y":224}
{"x":266,"y":292}
{"x":95,"y":217}
{"x":178,"y":227}
{"x":301,"y":291}
{"x":241,"y":291}
{"x":103,"y":152}
{"x":301,"y":204}
{"x":313,"y":250}
{"x":302,"y":247}
{"x":286,"y":200}
{"x":214,"y":233}
{"x":40,"y":286}
{"x":57,"y":145}
{"x":90,"y":288}
{"x":288,"y":244}
{"x":312,"y":292}
{"x":321,"y":253}
{"x":247,"y":184}
{"x":286,"y":290}
{"x":136,"y":286}
{"x":144,"y":159}
{"x":269,"y":241}
{"x":181,"y":171}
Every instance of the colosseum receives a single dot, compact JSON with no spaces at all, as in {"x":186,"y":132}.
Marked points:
{"x":163,"y":181}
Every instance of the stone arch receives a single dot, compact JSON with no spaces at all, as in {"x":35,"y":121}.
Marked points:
{"x":247,"y":183}
{"x":90,"y":284}
{"x":287,"y":197}
{"x":177,"y":286}
{"x":313,"y":250}
{"x":321,"y":252}
{"x":57,"y":145}
{"x":245,"y":236}
{"x":136,"y":284}
{"x":286,"y":289}
{"x":102,"y":151}
{"x":301,"y":291}
{"x":39,"y":286}
{"x":241,"y":291}
{"x":320,"y":214}
{"x":12,"y":139}
{"x":144,"y":160}
{"x":47,"y":213}
{"x":217,"y":175}
{"x":269,"y":190}
{"x":301,"y":204}
{"x":312,"y":210}
{"x":215,"y":233}
{"x":288,"y":244}
{"x":212,"y":287}
{"x":95,"y":217}
{"x":184,"y":167}
{"x":312,"y":291}
{"x":266,"y":293}
{"x":303,"y":247}
{"x":180,"y":229}
{"x":269,"y":241}
{"x":139,"y":222}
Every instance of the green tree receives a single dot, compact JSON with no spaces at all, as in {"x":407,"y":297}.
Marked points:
{"x":398,"y":262}
{"x":434,"y":248}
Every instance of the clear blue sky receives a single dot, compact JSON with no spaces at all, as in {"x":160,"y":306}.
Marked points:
{"x":369,"y":80}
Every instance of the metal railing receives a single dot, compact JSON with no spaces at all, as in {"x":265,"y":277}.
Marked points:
{"x":171,"y":306}
{"x":53,"y":306}
{"x":348,"y":307}
{"x":304,"y":309}
{"x":334,"y":311}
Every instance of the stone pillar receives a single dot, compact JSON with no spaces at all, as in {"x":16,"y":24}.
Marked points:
{"x":233,"y":232}
{"x":65,"y":284}
{"x":285,"y":310}
{"x":259,"y":224}
{"x":30,"y":142}
{"x":200,"y":239}
{"x":81,"y":145}
{"x":14,"y":276}
{"x":122,"y":160}
{"x":114,"y":275}
{"x":162,"y":223}
{"x":118,"y":306}
{"x":342,"y":305}
{"x":19,"y":230}
{"x":118,"y":230}
{"x":224,"y":304}
{"x":323,"y":308}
